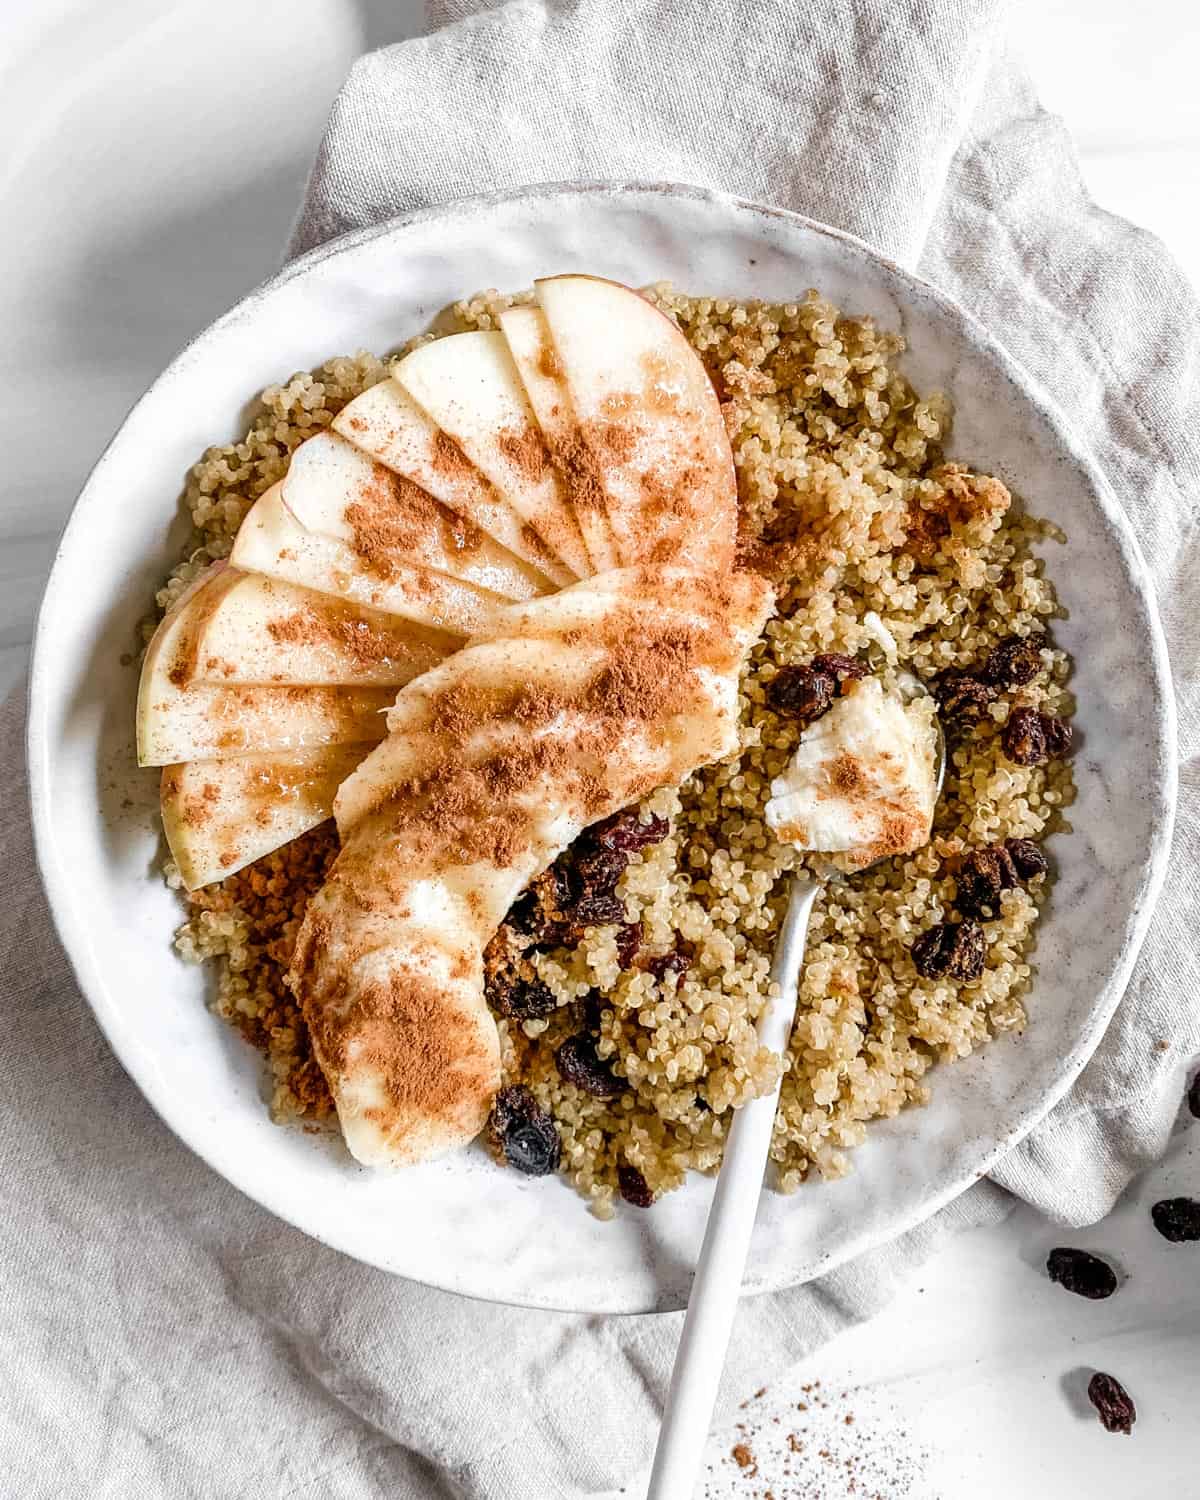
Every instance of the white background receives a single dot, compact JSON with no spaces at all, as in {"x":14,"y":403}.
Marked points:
{"x":153,"y":159}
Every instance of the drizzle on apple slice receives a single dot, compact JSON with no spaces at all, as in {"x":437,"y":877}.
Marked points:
{"x":221,"y":815}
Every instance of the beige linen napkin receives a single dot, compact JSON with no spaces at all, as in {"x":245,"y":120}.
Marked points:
{"x":162,"y":1336}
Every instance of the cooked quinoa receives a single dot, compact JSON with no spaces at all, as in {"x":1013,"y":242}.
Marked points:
{"x":847,"y":501}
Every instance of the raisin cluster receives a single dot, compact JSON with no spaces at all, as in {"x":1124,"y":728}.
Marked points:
{"x":1029,"y":737}
{"x":985,"y":873}
{"x":578,"y":891}
{"x":805,"y":693}
{"x":951,"y":950}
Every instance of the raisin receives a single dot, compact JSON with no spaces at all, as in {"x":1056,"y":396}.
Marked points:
{"x":598,"y":870}
{"x":834,"y":664}
{"x":1031,"y":738}
{"x":523,"y":999}
{"x":801,"y":693}
{"x":1193,"y":1097}
{"x":1013,"y":663}
{"x":1059,"y":736}
{"x":629,"y":943}
{"x":537,"y":912}
{"x":951,"y":949}
{"x":626,"y":831}
{"x":596,"y":909}
{"x":1027,"y":857}
{"x":1085,"y":1275}
{"x":1113,"y":1402}
{"x":578,"y":1063}
{"x":633,"y":1186}
{"x":1177,"y":1219}
{"x":524,"y":1132}
{"x":963,"y":698}
{"x":676,"y":961}
{"x":981,"y":878}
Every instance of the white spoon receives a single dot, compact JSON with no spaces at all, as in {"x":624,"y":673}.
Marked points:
{"x":712,"y":1305}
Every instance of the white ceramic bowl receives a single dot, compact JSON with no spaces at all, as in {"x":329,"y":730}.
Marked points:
{"x":464,"y":1224}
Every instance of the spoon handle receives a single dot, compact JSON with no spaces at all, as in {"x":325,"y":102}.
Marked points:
{"x":712,"y":1306}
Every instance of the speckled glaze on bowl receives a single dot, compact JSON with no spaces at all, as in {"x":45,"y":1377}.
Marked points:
{"x":464,"y":1224}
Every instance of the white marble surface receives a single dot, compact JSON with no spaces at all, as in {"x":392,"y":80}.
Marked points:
{"x":150,"y":178}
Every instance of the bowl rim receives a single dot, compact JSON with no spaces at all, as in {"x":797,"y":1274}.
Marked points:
{"x":1153,"y":869}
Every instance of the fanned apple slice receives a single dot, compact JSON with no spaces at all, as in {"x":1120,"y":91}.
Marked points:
{"x":388,"y":425}
{"x":207,"y":722}
{"x":541,"y":373}
{"x":650,"y":420}
{"x":470,"y":387}
{"x":333,"y":488}
{"x":620,"y":602}
{"x":180,"y":719}
{"x":271,"y":541}
{"x":221,"y":815}
{"x":262,"y":630}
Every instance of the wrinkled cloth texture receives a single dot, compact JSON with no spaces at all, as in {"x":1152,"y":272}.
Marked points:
{"x":163,"y":1336}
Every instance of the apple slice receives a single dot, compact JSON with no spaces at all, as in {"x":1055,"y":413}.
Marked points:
{"x":386,"y":423}
{"x":470,"y":387}
{"x":650,"y":419}
{"x":332,"y":488}
{"x":541,"y":373}
{"x":181,"y":719}
{"x":486,"y":676}
{"x":221,"y":815}
{"x":271,"y":541}
{"x":262,"y":630}
{"x":617,"y":603}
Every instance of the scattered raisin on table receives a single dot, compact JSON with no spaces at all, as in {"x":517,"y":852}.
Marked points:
{"x":951,"y":949}
{"x":982,"y":876}
{"x":1177,"y":1219}
{"x":579,"y":1063}
{"x":633,"y":1186}
{"x":1113,"y":1402}
{"x":1031,"y":738}
{"x":1013,"y":663}
{"x":1193,"y":1096}
{"x":801,"y":693}
{"x":1085,"y":1275}
{"x":963,"y":698}
{"x":834,"y":664}
{"x":524,"y":1132}
{"x":1027,"y":857}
